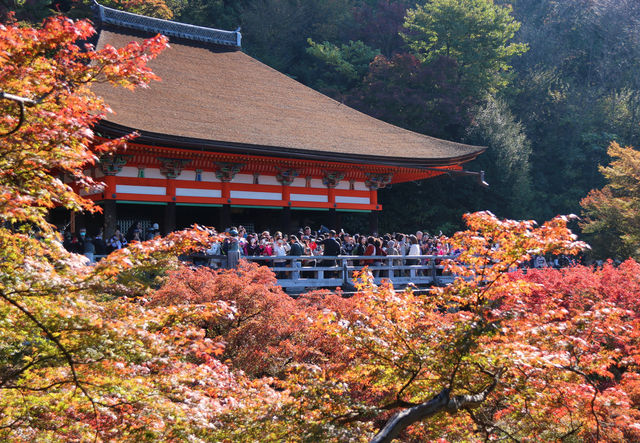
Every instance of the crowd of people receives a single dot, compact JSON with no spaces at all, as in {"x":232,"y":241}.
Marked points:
{"x":328,"y":242}
{"x":305,"y":242}
{"x":96,"y":245}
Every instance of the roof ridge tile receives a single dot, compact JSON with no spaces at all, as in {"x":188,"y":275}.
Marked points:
{"x":167,"y":27}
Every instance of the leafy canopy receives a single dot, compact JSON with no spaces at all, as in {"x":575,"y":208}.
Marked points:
{"x":612,"y":214}
{"x":474,"y":33}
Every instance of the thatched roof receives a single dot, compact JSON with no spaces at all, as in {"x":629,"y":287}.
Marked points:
{"x":213,"y":96}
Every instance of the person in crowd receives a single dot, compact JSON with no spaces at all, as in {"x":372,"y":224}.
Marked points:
{"x":280,"y":249}
{"x":231,"y":243}
{"x":67,"y":241}
{"x":348,"y":244}
{"x":306,"y":244}
{"x":135,"y":228}
{"x":296,"y":248}
{"x":401,"y":244}
{"x":136,"y":236}
{"x":370,"y":250}
{"x":86,"y":246}
{"x":266,"y":247}
{"x":81,"y":238}
{"x":153,"y":232}
{"x":251,"y":247}
{"x":540,"y":262}
{"x":215,"y":248}
{"x":414,"y":250}
{"x":117,"y":241}
{"x":99,"y":243}
{"x":360,"y":248}
{"x":391,"y":248}
{"x":331,"y":248}
{"x":307,"y":231}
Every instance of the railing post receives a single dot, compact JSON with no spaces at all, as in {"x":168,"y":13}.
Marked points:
{"x":434,"y":273}
{"x":390,"y":273}
{"x":345,"y":272}
{"x":233,"y":257}
{"x":295,"y":264}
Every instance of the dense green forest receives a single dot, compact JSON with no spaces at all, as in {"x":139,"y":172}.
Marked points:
{"x":545,"y":84}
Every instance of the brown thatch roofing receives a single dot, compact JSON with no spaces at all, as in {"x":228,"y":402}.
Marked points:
{"x":211,"y":97}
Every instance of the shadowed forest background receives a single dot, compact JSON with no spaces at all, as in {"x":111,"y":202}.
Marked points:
{"x":545,"y":84}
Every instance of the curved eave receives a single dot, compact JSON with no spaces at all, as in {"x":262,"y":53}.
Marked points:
{"x":114,"y":130}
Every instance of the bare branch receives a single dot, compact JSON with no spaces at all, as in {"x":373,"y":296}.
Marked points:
{"x":443,"y":402}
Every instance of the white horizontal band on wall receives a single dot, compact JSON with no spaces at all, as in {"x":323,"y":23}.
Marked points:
{"x":256,"y":195}
{"x":205,"y":176}
{"x":360,"y":186}
{"x":144,"y":190}
{"x":355,"y":200}
{"x":128,"y":171}
{"x":243,"y":178}
{"x":190,"y":192}
{"x":298,"y":182}
{"x":309,"y":198}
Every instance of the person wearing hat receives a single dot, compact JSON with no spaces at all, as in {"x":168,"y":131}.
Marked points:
{"x":153,"y":231}
{"x":348,"y":244}
{"x":296,"y":247}
{"x":231,"y":242}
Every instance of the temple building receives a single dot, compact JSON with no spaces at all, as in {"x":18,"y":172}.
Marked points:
{"x":226,"y":139}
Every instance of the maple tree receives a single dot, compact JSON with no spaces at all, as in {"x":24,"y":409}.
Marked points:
{"x":75,"y":360}
{"x":612,"y":214}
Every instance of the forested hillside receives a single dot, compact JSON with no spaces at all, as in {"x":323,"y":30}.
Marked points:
{"x":545,"y":84}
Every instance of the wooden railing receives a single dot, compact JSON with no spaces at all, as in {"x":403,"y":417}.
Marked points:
{"x":330,"y":272}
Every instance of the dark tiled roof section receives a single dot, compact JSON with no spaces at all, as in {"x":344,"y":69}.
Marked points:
{"x":211,"y":98}
{"x":128,"y":20}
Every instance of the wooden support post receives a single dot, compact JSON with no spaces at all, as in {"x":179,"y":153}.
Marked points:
{"x":333,"y":219}
{"x":170,"y":217}
{"x":72,"y":222}
{"x":373,"y":222}
{"x":285,"y":219}
{"x":225,"y":217}
{"x":110,"y":218}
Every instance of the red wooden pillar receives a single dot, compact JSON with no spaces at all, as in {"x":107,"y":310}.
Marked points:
{"x":225,"y":212}
{"x":225,"y":192}
{"x":110,"y":186}
{"x":170,"y":209}
{"x":285,"y":215}
{"x":373,"y":197}
{"x":110,"y":218}
{"x":332,"y":198}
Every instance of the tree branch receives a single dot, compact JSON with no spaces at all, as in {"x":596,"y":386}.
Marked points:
{"x":443,"y":402}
